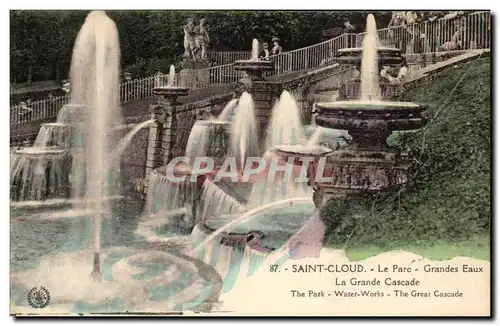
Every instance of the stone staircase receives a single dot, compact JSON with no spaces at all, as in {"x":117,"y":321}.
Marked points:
{"x":325,"y":93}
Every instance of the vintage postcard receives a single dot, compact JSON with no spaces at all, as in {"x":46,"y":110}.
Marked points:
{"x":250,"y":163}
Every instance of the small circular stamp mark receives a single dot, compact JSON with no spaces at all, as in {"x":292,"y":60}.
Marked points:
{"x":38,"y":297}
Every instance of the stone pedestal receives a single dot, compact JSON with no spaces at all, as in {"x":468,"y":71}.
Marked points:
{"x":159,"y":143}
{"x":348,"y":172}
{"x":195,"y":73}
{"x":162,"y":133}
{"x":351,"y":90}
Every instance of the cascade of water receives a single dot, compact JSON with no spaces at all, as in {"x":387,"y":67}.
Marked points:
{"x":215,"y":202}
{"x":53,"y":134}
{"x":280,"y":184}
{"x":228,"y":111}
{"x":166,"y":196}
{"x":370,"y":87}
{"x":171,"y":76}
{"x":285,"y":127}
{"x":201,"y":132}
{"x":198,"y":140}
{"x":39,"y":174}
{"x":244,"y":140}
{"x":255,"y":50}
{"x":70,"y":113}
{"x":94,"y":77}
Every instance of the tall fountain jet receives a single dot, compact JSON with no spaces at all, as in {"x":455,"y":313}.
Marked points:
{"x":171,"y":76}
{"x":244,"y":138}
{"x":254,"y":55}
{"x":370,"y":87}
{"x":94,"y":77}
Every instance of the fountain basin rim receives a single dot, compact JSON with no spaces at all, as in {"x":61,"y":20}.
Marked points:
{"x":213,"y":122}
{"x":56,"y":202}
{"x":253,"y":65}
{"x":367,"y":105}
{"x":301,"y":150}
{"x":56,"y":124}
{"x":40,"y":151}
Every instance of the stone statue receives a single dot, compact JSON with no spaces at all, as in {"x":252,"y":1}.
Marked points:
{"x":276,"y":46}
{"x":201,"y":40}
{"x":189,"y":44}
{"x":162,"y":111}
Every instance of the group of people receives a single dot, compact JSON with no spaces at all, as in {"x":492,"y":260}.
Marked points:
{"x":275,"y":50}
{"x":406,"y":28}
{"x":395,"y":75}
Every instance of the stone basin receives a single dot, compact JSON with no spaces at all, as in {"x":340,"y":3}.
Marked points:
{"x":254,"y":68}
{"x":370,"y":122}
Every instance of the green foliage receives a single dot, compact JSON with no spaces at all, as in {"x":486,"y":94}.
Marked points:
{"x":448,"y":196}
{"x":42,"y":41}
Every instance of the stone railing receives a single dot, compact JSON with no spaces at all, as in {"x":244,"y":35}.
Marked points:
{"x":227,"y":57}
{"x":471,"y":32}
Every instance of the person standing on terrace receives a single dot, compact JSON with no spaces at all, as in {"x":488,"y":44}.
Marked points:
{"x":420,"y":35}
{"x":277,"y":49}
{"x":399,"y":30}
{"x":349,"y":29}
{"x":265,"y":50}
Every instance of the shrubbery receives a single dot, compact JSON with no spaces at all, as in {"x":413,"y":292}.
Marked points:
{"x":42,"y":41}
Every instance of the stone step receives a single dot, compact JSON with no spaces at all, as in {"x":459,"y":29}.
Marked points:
{"x":421,"y":73}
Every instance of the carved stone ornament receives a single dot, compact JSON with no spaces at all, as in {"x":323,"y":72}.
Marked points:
{"x":161,"y":112}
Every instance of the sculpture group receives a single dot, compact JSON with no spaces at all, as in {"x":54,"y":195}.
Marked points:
{"x":196,"y":40}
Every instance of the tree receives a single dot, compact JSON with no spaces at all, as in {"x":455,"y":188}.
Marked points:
{"x":42,"y":41}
